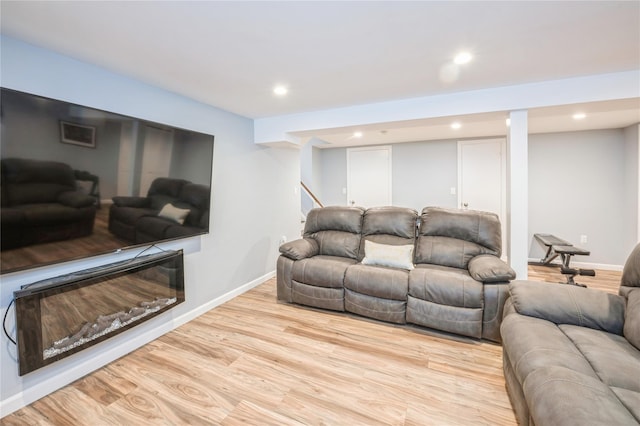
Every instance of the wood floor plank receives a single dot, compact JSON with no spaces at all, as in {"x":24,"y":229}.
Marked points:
{"x":254,"y":360}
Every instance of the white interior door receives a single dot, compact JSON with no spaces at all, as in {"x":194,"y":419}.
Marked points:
{"x":482,"y":178}
{"x":156,"y":156}
{"x":369,"y":176}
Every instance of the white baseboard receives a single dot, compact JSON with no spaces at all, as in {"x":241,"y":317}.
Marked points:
{"x":588,"y":265}
{"x":49,"y":385}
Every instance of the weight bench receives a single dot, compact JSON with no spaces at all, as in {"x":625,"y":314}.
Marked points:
{"x":559,"y":247}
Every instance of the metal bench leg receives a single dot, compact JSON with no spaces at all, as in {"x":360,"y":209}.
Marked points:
{"x":549,"y":256}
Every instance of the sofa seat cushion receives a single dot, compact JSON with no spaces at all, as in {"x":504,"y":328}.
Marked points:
{"x":319,"y":297}
{"x":47,"y":214}
{"x":533,"y":343}
{"x":613,"y":358}
{"x":153,"y":225}
{"x":453,"y":319}
{"x":378,"y":281}
{"x":445,"y":286}
{"x":375,"y":307}
{"x":130,"y":215}
{"x":561,"y":396}
{"x":179,"y":231}
{"x":322,"y":271}
{"x":630,"y":399}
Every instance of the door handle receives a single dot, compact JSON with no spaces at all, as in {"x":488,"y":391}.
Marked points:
{"x":465,"y":205}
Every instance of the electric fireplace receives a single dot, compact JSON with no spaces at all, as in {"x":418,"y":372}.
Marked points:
{"x":60,"y":316}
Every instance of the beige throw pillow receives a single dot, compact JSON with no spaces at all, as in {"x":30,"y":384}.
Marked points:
{"x":388,"y":255}
{"x":171,"y":212}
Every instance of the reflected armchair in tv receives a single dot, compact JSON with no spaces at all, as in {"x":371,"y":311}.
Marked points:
{"x":41,"y":203}
{"x":173,"y":208}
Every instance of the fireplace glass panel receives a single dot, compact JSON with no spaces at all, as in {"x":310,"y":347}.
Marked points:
{"x":61,"y":316}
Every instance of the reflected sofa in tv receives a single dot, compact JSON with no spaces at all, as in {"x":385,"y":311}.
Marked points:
{"x":445,"y":273}
{"x":41,"y":203}
{"x":142,"y":220}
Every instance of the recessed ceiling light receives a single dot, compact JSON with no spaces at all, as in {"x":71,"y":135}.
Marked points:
{"x":462,"y":58}
{"x":455,"y":125}
{"x":357,"y":134}
{"x":579,"y":116}
{"x":280,"y":90}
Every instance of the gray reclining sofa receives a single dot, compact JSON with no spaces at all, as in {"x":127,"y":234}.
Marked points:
{"x":441,"y":270}
{"x":572,"y":354}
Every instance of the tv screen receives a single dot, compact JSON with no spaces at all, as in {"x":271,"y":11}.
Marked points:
{"x":78,"y":182}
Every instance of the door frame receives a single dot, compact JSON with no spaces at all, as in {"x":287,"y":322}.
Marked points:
{"x":389,"y":150}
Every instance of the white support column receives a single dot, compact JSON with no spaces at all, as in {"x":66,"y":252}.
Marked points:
{"x":518,"y":193}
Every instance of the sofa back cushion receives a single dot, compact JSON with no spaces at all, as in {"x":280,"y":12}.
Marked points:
{"x":336,"y":230}
{"x":631,"y":329}
{"x":26,"y":181}
{"x":163,"y":191}
{"x":395,"y":226}
{"x":452,"y":237}
{"x":631,"y":272}
{"x":195,"y":197}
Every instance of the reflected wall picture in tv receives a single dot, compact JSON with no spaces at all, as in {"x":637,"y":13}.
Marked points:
{"x":78,"y":182}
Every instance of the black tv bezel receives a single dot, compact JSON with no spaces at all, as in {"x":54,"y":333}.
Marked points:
{"x":27,"y":304}
{"x":125,"y":245}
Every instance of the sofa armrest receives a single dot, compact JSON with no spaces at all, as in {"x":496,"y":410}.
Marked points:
{"x":76,"y":199}
{"x":131,"y":201}
{"x":300,"y":249}
{"x":490,"y":269}
{"x":569,"y":304}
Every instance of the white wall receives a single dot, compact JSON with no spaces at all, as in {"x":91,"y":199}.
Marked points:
{"x":333,"y":176}
{"x":422,"y":174}
{"x":580,"y":183}
{"x":632,"y":179}
{"x":577,"y":186}
{"x":253,"y":205}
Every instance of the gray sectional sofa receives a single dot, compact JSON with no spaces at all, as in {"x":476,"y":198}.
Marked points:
{"x":572,"y":354}
{"x":440,"y":270}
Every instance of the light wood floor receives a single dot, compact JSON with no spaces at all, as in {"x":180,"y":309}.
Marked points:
{"x":256,"y":361}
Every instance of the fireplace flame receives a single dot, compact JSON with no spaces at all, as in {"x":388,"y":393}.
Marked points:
{"x":105,"y":324}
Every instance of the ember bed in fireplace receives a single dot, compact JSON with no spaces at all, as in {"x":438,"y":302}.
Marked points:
{"x":60,"y":316}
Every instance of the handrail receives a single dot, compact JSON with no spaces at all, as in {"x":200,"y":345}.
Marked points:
{"x":308,"y":191}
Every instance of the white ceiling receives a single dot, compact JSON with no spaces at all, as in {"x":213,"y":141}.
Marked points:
{"x":599,"y":115}
{"x":334,"y":54}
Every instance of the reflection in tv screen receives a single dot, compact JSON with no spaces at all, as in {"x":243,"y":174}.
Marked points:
{"x":78,"y":181}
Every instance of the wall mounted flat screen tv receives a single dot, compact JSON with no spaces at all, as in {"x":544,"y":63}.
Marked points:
{"x":78,"y":182}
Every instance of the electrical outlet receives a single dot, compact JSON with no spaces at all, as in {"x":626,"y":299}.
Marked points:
{"x":283,"y":240}
{"x":452,"y":190}
{"x":583,"y":239}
